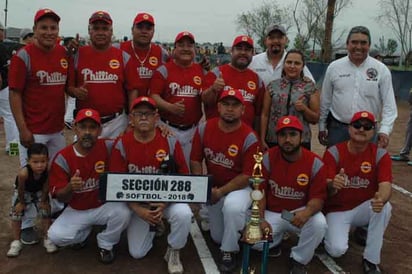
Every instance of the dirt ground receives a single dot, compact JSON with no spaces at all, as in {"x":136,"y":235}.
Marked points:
{"x":396,"y":253}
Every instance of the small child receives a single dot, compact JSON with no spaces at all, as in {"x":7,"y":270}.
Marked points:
{"x":31,"y":190}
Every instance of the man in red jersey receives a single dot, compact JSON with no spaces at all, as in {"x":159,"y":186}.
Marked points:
{"x":359,"y":188}
{"x":236,"y":75}
{"x":99,"y":75}
{"x":295,"y":181}
{"x":176,"y":88}
{"x":148,"y":55}
{"x":37,"y":81}
{"x":227,"y":145}
{"x":145,"y":150}
{"x":74,"y":179}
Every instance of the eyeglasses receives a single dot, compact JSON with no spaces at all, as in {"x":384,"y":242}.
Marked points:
{"x":140,"y":115}
{"x":367,"y":126}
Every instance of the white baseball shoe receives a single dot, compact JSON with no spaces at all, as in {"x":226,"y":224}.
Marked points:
{"x":49,"y":246}
{"x":172,"y":257}
{"x":15,"y":247}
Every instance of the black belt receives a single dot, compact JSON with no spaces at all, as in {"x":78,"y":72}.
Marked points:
{"x":181,"y":127}
{"x":110,"y":117}
{"x":332,"y":119}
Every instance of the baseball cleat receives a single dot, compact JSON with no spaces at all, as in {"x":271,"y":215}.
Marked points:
{"x":15,"y":247}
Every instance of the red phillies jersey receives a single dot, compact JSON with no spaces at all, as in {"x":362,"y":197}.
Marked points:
{"x":291,"y":185}
{"x":175,"y":83}
{"x":41,"y":77}
{"x":146,"y":64}
{"x":65,"y":164}
{"x":130,"y":155}
{"x":105,"y":75}
{"x":365,"y":171}
{"x":247,"y":81}
{"x":227,"y":154}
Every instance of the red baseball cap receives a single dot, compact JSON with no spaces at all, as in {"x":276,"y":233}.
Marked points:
{"x":289,"y":122}
{"x":143,"y":17}
{"x":363,"y":115}
{"x":100,"y":16}
{"x":46,"y":13}
{"x":144,"y":100}
{"x":243,"y":39}
{"x":183,"y":34}
{"x":86,"y":113}
{"x":235,"y":93}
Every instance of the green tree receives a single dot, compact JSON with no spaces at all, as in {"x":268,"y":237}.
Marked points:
{"x":388,"y":48}
{"x":255,"y":21}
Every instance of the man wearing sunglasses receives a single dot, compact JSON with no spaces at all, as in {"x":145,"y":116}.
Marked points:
{"x":359,"y":175}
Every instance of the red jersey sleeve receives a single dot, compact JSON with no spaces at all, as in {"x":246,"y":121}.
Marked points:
{"x":385,"y":169}
{"x":71,"y":77}
{"x":58,"y":178}
{"x":196,"y":153}
{"x":118,"y":161}
{"x":210,"y":78}
{"x":318,"y":187}
{"x":330,"y":165}
{"x":180,"y":161}
{"x":259,"y":98}
{"x":17,"y":73}
{"x":158,"y":82}
{"x":132,"y":78}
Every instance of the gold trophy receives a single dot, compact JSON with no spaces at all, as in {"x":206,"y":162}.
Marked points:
{"x":253,"y":233}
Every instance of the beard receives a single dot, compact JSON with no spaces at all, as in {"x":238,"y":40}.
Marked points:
{"x":87,"y":141}
{"x":289,"y":149}
{"x":230,"y":119}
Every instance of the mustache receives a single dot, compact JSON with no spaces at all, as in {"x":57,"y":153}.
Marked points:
{"x":87,"y":137}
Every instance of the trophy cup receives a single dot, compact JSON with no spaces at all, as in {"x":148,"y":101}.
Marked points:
{"x":253,"y":233}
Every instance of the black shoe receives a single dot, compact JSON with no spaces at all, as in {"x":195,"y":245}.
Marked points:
{"x":228,"y":262}
{"x":360,"y":234}
{"x":275,"y":251}
{"x":297,"y":268}
{"x":29,"y":236}
{"x":370,"y":268}
{"x":106,"y":256}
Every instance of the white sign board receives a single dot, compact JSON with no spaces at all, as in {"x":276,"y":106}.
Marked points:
{"x":129,"y":187}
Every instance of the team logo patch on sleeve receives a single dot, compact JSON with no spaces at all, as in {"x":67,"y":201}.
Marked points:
{"x":302,"y":179}
{"x":366,"y":167}
{"x":160,"y":155}
{"x":233,"y":150}
{"x":64,"y":63}
{"x":114,"y":64}
{"x":197,"y":80}
{"x":99,"y":166}
{"x":153,"y":61}
{"x":251,"y":85}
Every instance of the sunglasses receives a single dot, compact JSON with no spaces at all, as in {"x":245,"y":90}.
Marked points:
{"x":367,"y":126}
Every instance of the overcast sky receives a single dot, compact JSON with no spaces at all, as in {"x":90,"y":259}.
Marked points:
{"x":209,"y":20}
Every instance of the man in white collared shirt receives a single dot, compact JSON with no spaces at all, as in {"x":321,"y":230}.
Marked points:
{"x":353,"y":83}
{"x":269,"y":64}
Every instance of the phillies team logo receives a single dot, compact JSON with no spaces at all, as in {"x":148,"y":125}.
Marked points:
{"x":160,"y":155}
{"x":302,"y":179}
{"x":114,"y":64}
{"x":197,"y":80}
{"x":233,"y":150}
{"x":153,"y":61}
{"x":99,"y":167}
{"x":251,"y":85}
{"x":63,"y":63}
{"x":366,"y":167}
